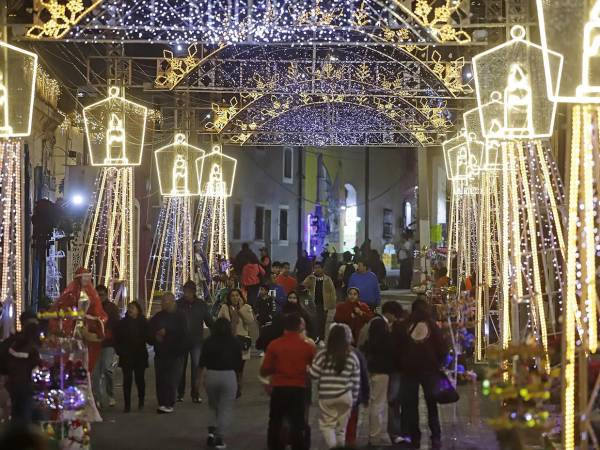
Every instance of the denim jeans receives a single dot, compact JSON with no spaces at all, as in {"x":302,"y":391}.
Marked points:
{"x":102,"y":378}
{"x":194,"y":356}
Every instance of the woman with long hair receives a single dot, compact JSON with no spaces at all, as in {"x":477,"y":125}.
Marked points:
{"x":422,"y":353}
{"x":131,"y":334}
{"x":220,"y":361}
{"x":337,"y":372}
{"x":240,"y":316}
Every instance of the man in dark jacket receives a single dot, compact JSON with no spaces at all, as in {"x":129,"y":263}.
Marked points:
{"x":196,"y":314}
{"x":169,"y":335}
{"x":102,"y":377}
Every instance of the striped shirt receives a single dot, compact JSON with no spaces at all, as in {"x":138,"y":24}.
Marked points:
{"x":333,"y":384}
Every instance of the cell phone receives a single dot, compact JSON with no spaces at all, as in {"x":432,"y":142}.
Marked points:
{"x":272,"y":293}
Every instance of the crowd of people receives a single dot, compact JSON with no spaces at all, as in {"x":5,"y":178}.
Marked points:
{"x":320,"y":327}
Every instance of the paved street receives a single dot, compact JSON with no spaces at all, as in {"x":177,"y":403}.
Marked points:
{"x":186,"y":428}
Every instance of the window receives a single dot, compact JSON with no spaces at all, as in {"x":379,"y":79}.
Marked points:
{"x":237,"y":221}
{"x":388,"y":223}
{"x":283,"y":224}
{"x":288,"y":165}
{"x":259,"y":223}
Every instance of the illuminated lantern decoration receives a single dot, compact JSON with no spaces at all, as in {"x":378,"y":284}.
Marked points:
{"x":486,"y":150}
{"x":514,"y":74}
{"x":457,"y":158}
{"x":17,"y":90}
{"x":115,"y":129}
{"x":17,"y":94}
{"x":171,"y":261}
{"x":178,"y":174}
{"x":217,"y":175}
{"x":580,"y":85}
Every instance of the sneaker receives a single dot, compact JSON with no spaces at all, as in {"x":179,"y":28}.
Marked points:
{"x":196,"y":400}
{"x":210,"y":440}
{"x":179,"y":399}
{"x":111,"y":402}
{"x":164,"y":410}
{"x":219,"y":444}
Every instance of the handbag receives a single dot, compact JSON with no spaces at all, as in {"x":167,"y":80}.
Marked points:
{"x":245,"y":342}
{"x":442,"y":389}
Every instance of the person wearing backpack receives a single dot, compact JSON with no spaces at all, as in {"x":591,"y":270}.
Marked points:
{"x":422,"y":351}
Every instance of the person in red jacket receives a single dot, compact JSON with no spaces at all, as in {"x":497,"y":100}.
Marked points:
{"x":353,"y":312}
{"x":252,"y":273}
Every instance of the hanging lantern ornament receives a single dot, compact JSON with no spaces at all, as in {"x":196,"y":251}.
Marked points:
{"x":513,"y":75}
{"x":461,"y":165}
{"x":580,"y":85}
{"x":178,"y":174}
{"x":17,"y":90}
{"x":115,"y":128}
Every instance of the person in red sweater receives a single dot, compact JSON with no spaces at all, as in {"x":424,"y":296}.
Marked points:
{"x":286,"y":362}
{"x":252,"y":273}
{"x":285,"y":280}
{"x":353,"y":312}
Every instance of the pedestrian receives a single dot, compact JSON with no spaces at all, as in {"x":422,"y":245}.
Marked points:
{"x":353,"y":312}
{"x":378,"y":349}
{"x":405,"y":255}
{"x":286,"y":280}
{"x":347,"y":268}
{"x":276,"y":268}
{"x":377,"y":266}
{"x":20,"y":355}
{"x":243,"y":257}
{"x":442,"y":280}
{"x":337,"y":372}
{"x":331,"y":265}
{"x":367,"y":284}
{"x":241,"y":318}
{"x":363,"y":394}
{"x":322,"y":290}
{"x":303,"y":266}
{"x":286,"y":362}
{"x":252,"y":273}
{"x":168,"y":334}
{"x":196,"y":314}
{"x":102,"y":377}
{"x":219,"y":363}
{"x":131,"y":334}
{"x":265,"y":260}
{"x":422,"y":351}
{"x":265,"y":307}
{"x":278,"y":292}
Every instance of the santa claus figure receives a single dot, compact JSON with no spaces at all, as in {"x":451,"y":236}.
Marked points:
{"x":81,"y":294}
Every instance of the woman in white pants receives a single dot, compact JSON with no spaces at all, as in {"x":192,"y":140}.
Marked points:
{"x":337,"y":372}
